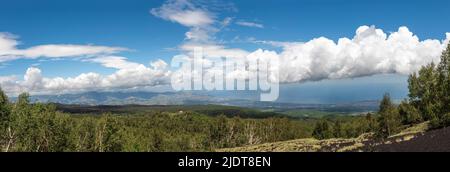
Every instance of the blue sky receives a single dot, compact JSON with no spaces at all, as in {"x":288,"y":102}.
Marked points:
{"x":149,"y":37}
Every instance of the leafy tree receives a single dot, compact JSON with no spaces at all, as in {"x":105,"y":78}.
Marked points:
{"x":389,"y":119}
{"x":371,"y":122}
{"x":445,"y":121}
{"x":337,"y":129}
{"x":423,"y":88}
{"x":158,"y":141}
{"x":23,"y":100}
{"x":4,"y":109}
{"x":218,"y":131}
{"x":322,"y":130}
{"x":5,"y":117}
{"x":409,"y":114}
{"x":429,"y":90}
{"x":443,"y":69}
{"x":107,"y":137}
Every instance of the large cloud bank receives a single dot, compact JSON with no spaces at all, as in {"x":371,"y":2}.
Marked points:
{"x":128,"y":76}
{"x":371,"y":51}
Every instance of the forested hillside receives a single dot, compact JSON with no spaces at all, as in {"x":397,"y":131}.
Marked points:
{"x":40,"y":127}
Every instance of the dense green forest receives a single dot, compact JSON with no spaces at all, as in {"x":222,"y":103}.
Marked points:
{"x":37,"y":127}
{"x":210,"y":110}
{"x":40,"y":127}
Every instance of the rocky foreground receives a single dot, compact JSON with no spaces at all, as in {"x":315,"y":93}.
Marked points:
{"x":413,"y":139}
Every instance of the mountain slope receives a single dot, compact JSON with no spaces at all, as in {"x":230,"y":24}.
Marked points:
{"x":413,"y":139}
{"x":432,"y":141}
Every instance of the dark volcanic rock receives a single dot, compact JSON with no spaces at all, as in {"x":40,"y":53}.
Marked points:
{"x":432,"y":141}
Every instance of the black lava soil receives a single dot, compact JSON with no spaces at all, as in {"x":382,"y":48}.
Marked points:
{"x":432,"y":141}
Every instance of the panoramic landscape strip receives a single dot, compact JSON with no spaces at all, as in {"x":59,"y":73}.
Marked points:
{"x":224,"y":77}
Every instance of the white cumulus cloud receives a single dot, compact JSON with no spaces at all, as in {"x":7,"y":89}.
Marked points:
{"x":371,"y":51}
{"x":128,"y":76}
{"x":189,"y":14}
{"x":183,"y":12}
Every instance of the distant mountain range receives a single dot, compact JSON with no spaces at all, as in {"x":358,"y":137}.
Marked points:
{"x":125,"y":98}
{"x":241,"y":99}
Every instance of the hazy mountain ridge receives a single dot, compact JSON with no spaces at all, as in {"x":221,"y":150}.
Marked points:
{"x":196,"y":98}
{"x":120,"y":98}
